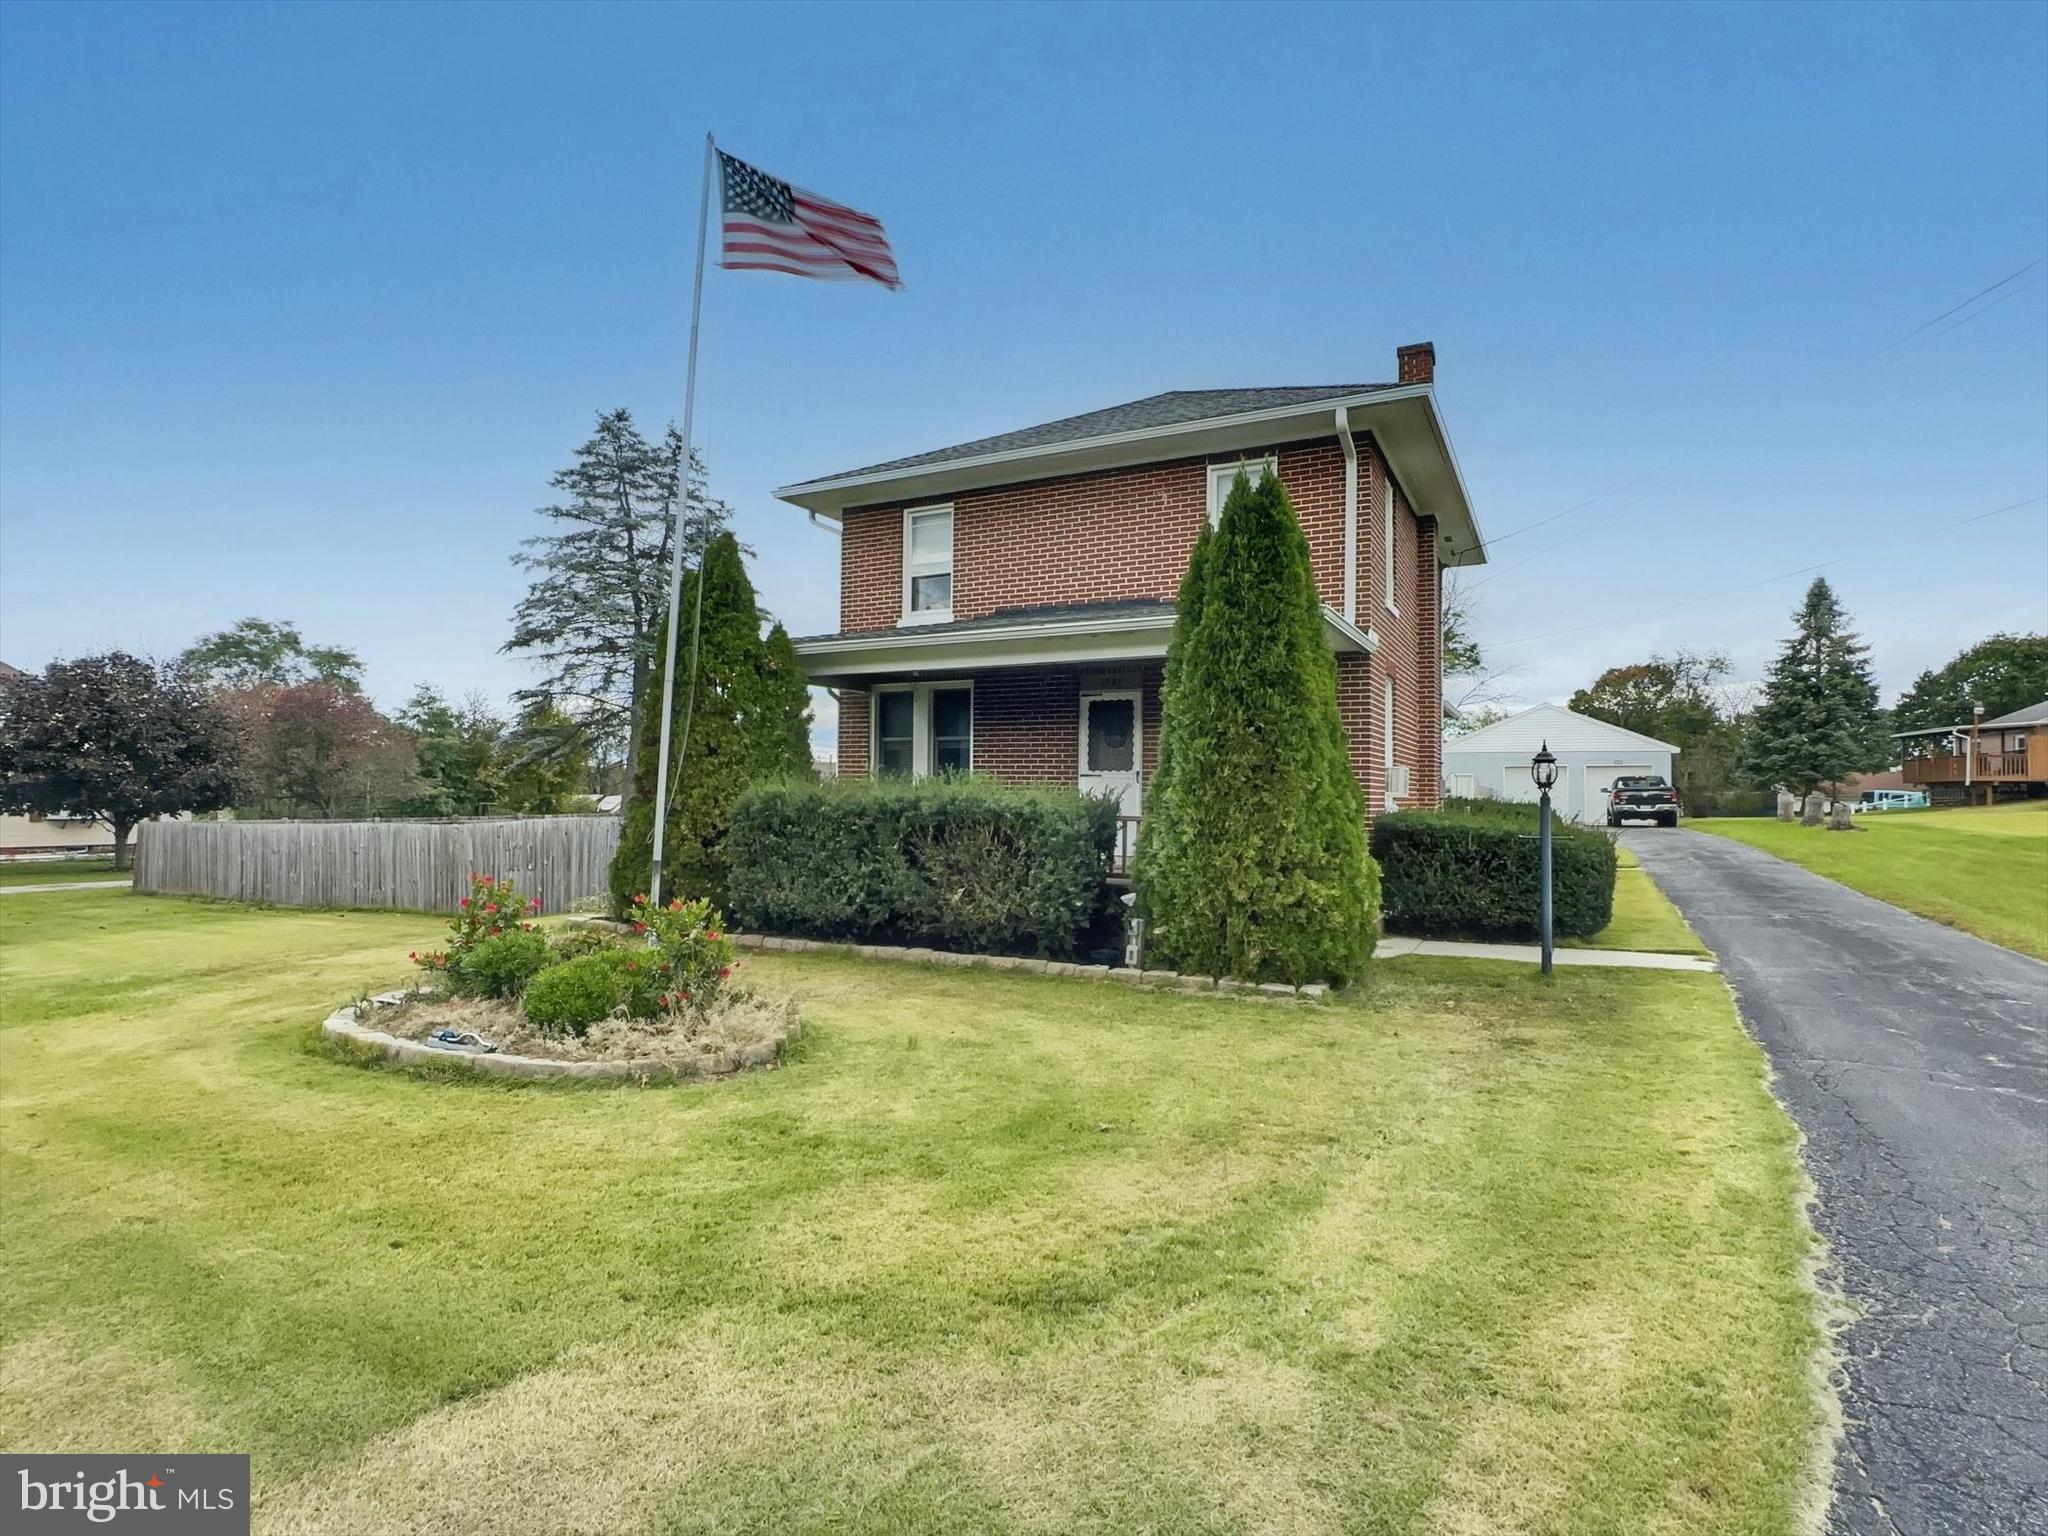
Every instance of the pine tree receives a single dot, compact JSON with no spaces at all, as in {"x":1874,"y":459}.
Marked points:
{"x":746,"y":725}
{"x":1260,"y":869}
{"x":592,"y":614}
{"x":1819,"y":721}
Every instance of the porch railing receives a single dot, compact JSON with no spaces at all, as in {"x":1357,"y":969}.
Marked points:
{"x":1126,"y":846}
{"x":1949,"y":768}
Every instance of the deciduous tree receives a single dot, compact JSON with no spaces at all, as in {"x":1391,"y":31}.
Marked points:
{"x":456,"y":753}
{"x":268,"y":651}
{"x":115,"y":738}
{"x":2002,"y":673}
{"x":316,"y":750}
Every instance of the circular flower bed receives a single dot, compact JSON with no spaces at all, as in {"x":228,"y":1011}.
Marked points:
{"x":657,"y":996}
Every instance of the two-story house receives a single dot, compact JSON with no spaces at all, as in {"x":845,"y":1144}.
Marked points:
{"x":1005,"y":604}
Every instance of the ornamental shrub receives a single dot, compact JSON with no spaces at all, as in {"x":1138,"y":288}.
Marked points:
{"x":1471,"y":869}
{"x":1253,"y":861}
{"x":954,"y":862}
{"x":570,"y":997}
{"x":502,"y":964}
{"x":690,"y":952}
{"x":492,"y":907}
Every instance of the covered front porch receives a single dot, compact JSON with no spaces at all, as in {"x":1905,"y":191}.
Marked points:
{"x":1980,"y":759}
{"x":1067,"y":695}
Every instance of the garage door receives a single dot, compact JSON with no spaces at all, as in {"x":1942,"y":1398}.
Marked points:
{"x":1600,"y":780}
{"x":1517,"y":785}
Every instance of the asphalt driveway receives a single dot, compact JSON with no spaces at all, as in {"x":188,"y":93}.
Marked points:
{"x":1916,"y":1060}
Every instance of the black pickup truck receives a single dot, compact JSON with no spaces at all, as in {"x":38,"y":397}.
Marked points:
{"x":1642,"y":796}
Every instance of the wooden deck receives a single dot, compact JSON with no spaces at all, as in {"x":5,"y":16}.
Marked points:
{"x":1989,"y":768}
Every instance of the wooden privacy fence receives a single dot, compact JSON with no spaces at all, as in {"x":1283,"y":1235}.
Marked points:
{"x":421,"y":866}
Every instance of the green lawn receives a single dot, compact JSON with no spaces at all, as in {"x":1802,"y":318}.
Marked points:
{"x":1983,"y":869}
{"x":996,"y":1252}
{"x":57,"y":872}
{"x":1644,"y":918}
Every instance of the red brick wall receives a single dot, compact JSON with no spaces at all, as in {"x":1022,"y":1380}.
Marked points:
{"x":1126,"y":533}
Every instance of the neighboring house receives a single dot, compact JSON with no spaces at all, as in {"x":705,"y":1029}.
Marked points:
{"x":1005,"y":604}
{"x":1591,"y":755}
{"x":1983,"y":760}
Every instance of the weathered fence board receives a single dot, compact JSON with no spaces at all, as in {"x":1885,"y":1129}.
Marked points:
{"x":419,"y":866}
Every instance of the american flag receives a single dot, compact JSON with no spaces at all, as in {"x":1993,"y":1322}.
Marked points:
{"x":771,"y":226}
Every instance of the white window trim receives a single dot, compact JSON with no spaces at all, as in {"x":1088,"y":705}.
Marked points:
{"x":912,"y":569}
{"x":921,"y":739}
{"x":1223,"y":476}
{"x":1390,"y":565}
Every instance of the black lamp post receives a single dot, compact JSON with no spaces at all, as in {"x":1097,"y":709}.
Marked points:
{"x":1543,"y":770}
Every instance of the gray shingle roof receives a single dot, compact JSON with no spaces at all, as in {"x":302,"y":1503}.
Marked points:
{"x":1178,"y":407}
{"x":2033,"y":714}
{"x":1044,"y":613}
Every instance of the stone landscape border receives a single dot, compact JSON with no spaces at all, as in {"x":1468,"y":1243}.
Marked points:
{"x":345,"y":1025}
{"x":1173,"y":981}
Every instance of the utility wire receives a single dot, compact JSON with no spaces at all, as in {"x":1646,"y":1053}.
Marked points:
{"x":2010,"y":294}
{"x":1650,"y":613}
{"x":1494,"y":540}
{"x":1973,"y":298}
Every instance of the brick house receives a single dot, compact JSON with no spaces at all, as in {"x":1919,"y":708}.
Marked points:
{"x":1005,"y":604}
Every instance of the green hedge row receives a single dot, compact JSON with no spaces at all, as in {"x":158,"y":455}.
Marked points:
{"x":954,"y":863}
{"x":1470,"y":870}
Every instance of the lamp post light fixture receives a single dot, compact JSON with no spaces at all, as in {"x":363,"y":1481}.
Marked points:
{"x":1543,"y":771}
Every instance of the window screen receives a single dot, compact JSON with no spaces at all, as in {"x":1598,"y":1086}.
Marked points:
{"x":952,"y":730}
{"x":1112,"y":745}
{"x":895,"y":732}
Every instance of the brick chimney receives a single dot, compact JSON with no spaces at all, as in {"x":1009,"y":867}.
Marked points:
{"x":1418,"y":362}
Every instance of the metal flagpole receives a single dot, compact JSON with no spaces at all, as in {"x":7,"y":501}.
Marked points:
{"x":675,"y":574}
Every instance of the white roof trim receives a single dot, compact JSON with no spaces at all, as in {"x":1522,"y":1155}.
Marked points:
{"x":1477,"y":741}
{"x":1436,"y":488}
{"x":1125,"y":637}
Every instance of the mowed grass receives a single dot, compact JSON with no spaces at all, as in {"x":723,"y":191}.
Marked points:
{"x":995,"y":1252}
{"x":1644,"y":918}
{"x":57,"y":871}
{"x":1983,"y":869}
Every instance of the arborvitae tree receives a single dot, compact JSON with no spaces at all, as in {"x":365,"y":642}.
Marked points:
{"x":592,"y":615}
{"x":785,"y":736}
{"x":1260,"y":870}
{"x":1819,"y":721}
{"x":1159,"y":846}
{"x":745,"y":726}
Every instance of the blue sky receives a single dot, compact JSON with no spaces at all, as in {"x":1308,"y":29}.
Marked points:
{"x":300,"y":306}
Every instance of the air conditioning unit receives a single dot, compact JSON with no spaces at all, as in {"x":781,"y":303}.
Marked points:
{"x":1397,"y":781}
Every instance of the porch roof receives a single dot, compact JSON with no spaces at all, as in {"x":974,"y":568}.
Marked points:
{"x":1056,"y":635}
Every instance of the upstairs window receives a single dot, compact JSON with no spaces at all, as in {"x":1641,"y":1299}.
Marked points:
{"x":1389,"y":559}
{"x":1223,"y":476}
{"x":927,"y":565}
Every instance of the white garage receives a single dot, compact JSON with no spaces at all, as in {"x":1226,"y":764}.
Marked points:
{"x":1591,"y":755}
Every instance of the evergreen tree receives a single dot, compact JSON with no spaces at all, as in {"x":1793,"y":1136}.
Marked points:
{"x":746,"y":725}
{"x":457,"y":747}
{"x":541,"y":764}
{"x":592,"y":615}
{"x":1260,"y":869}
{"x":1819,"y":721}
{"x":1159,"y":837}
{"x":2002,"y":674}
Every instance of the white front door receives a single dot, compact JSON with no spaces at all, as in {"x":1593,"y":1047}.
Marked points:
{"x":1112,"y":757}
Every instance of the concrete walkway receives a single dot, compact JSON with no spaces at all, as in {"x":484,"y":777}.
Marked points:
{"x":1393,"y":948}
{"x":65,"y":885}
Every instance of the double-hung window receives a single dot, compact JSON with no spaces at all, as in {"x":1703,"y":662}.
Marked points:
{"x":1223,"y":476}
{"x":1389,"y":561}
{"x":924,"y":729}
{"x":927,"y":565}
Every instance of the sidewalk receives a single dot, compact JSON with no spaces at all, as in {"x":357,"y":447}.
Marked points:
{"x":1392,"y":947}
{"x":65,"y":885}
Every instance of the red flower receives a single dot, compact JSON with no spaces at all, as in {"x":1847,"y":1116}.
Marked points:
{"x":534,"y":904}
{"x":414,"y":957}
{"x":712,"y":935}
{"x":724,"y":973}
{"x":497,"y":928}
{"x":632,"y":965}
{"x":639,"y":927}
{"x":490,"y":906}
{"x":465,"y":903}
{"x":662,"y":1000}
